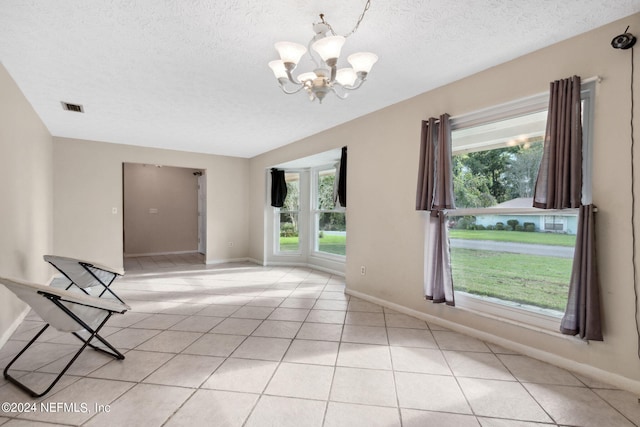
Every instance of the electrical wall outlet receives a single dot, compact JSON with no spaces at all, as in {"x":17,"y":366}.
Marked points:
{"x":363,"y":270}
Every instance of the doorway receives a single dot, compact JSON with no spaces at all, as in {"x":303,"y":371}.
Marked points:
{"x":164,"y":210}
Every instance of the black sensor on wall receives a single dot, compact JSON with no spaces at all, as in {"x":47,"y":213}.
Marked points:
{"x":623,"y":41}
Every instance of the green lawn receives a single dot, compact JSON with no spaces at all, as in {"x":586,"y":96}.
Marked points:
{"x":330,"y":244}
{"x":289,"y":244}
{"x":333,"y":244}
{"x":552,"y":239}
{"x":529,"y":279}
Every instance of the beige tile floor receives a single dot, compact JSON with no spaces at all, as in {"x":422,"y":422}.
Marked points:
{"x":242,"y":345}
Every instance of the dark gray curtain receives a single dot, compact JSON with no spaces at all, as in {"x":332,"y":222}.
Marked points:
{"x":278,"y":188}
{"x":435,"y":182}
{"x":559,"y":186}
{"x":435,"y":194}
{"x":341,"y":195}
{"x":582,"y":316}
{"x":559,"y":181}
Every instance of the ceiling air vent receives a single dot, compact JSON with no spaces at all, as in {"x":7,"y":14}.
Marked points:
{"x":72,"y":107}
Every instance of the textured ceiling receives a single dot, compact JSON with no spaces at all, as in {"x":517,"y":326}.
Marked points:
{"x":193,"y":76}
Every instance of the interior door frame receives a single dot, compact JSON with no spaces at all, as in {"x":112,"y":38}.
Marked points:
{"x":202,"y":213}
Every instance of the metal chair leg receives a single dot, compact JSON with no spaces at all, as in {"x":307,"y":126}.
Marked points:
{"x":94,"y":334}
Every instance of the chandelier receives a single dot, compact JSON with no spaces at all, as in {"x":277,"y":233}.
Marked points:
{"x":326,"y":44}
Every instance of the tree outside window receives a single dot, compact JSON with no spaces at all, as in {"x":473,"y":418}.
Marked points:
{"x":289,"y":215}
{"x":330,"y":230}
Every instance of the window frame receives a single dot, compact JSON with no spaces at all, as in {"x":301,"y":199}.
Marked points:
{"x":556,"y":220}
{"x":534,"y":316}
{"x":276,"y":221}
{"x":315,"y":212}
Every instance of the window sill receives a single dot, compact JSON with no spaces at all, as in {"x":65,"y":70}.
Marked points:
{"x":329,"y":256}
{"x":534,"y":317}
{"x":288,"y":254}
{"x":524,"y":321}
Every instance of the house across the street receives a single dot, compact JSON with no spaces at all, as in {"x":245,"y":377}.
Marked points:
{"x":549,"y":223}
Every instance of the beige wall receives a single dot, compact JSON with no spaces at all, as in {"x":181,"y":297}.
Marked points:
{"x":26,"y":210}
{"x":388,"y":141}
{"x":88,"y":184}
{"x":160,"y":209}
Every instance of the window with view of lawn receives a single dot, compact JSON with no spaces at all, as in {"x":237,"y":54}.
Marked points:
{"x":329,"y":220}
{"x":327,"y":223}
{"x":289,"y":215}
{"x":525,"y":268}
{"x":503,"y":251}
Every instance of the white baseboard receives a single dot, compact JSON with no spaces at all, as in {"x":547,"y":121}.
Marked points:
{"x":195,"y":251}
{"x":225,"y":261}
{"x":12,"y":328}
{"x":279,"y":264}
{"x":306,"y":265}
{"x":607,"y":377}
{"x":18,"y":320}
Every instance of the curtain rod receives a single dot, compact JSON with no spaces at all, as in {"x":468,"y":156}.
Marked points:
{"x":596,"y":79}
{"x":515,"y":103}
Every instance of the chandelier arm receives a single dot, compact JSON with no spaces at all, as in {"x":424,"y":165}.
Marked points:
{"x":291,"y":92}
{"x":358,"y":84}
{"x":310,"y":52}
{"x":338,"y":94}
{"x":293,"y":79}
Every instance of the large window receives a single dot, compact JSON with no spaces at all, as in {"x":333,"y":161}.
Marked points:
{"x":329,"y":221}
{"x":504,"y":252}
{"x":288,"y":216}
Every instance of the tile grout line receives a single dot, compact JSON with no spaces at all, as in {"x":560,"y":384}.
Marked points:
{"x":455,"y":377}
{"x":393,"y":370}
{"x":262,"y":393}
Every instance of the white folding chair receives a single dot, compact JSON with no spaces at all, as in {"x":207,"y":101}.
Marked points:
{"x":86,"y":275}
{"x":66,"y":311}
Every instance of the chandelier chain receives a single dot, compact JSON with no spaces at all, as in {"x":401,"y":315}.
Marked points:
{"x":366,"y":8}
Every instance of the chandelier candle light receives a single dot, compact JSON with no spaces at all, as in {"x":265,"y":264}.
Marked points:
{"x":326,"y":77}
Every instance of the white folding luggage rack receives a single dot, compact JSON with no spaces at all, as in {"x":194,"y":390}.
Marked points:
{"x":66,"y":311}
{"x":90,"y":277}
